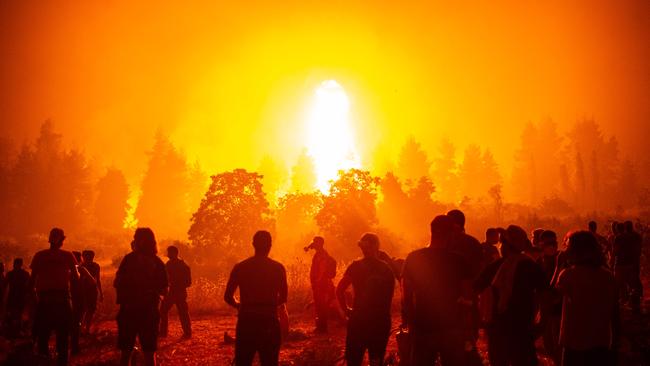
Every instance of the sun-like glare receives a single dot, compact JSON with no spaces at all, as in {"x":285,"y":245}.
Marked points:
{"x":330,"y":141}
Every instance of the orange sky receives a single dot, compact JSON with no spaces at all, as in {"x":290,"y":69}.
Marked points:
{"x":230,"y":81}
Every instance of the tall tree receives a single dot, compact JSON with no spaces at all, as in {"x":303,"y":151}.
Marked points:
{"x":349,"y":209}
{"x":303,"y":174}
{"x":111,"y":204}
{"x":445,"y":171}
{"x":413,"y":162}
{"x":470,"y":173}
{"x":232,"y":210}
{"x":163,"y":203}
{"x":274,"y":178}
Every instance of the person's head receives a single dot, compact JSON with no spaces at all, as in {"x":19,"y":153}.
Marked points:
{"x":318,"y":243}
{"x":583,"y":249}
{"x":262,"y":242}
{"x":88,"y":255}
{"x":537,"y":233}
{"x":593,"y":226}
{"x":172,"y":252}
{"x":144,"y":241}
{"x":442,"y":231}
{"x":620,"y":228}
{"x":77,"y":256}
{"x":56,"y":238}
{"x":369,"y":244}
{"x":457,"y":218}
{"x":549,"y":242}
{"x":18,"y":263}
{"x":491,"y":236}
{"x":629,"y":226}
{"x":514,"y":241}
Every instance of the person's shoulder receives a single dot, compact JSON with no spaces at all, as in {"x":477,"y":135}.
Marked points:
{"x":471,"y":240}
{"x":417,"y":253}
{"x":276,"y":264}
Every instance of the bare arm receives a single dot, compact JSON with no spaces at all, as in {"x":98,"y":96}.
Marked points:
{"x":99,"y":283}
{"x":231,"y":286}
{"x":340,"y":293}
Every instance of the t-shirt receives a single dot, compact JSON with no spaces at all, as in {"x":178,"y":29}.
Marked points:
{"x":373,"y":283}
{"x":52,"y":269}
{"x":262,"y":284}
{"x":434,"y":277}
{"x":140,"y":280}
{"x":588,"y":307}
{"x":17,"y":283}
{"x":180,"y":275}
{"x":471,"y":250}
{"x":627,"y":249}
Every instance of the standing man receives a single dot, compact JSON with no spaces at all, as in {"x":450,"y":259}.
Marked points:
{"x":369,"y":320}
{"x":432,"y":283}
{"x":18,"y":286}
{"x":139,"y":283}
{"x":53,"y":271}
{"x":262,"y":284}
{"x":323,"y":271}
{"x":603,"y":244}
{"x":180,"y":278}
{"x":91,"y":293}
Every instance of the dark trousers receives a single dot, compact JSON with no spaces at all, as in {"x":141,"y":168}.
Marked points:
{"x":257,"y":333}
{"x":366,"y":334}
{"x":426,"y":348}
{"x":600,"y":356}
{"x":551,"y":335}
{"x":511,"y":346}
{"x":53,"y":313}
{"x":14,"y":317}
{"x":322,"y":297}
{"x":629,"y":280}
{"x":75,"y":327}
{"x":180,"y":300}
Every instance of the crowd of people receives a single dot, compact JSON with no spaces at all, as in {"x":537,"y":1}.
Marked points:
{"x":514,"y":288}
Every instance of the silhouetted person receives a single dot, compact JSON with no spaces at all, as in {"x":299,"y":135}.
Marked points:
{"x":515,"y":281}
{"x":432,"y":287}
{"x":262,"y":284}
{"x":139,"y":283}
{"x":472,"y":251}
{"x":590,"y":313}
{"x":79,"y":290}
{"x":91,"y":293}
{"x":627,"y":264}
{"x":603,"y":244}
{"x":53,"y":271}
{"x":323,"y":270}
{"x":17,"y":290}
{"x":369,"y":318}
{"x":537,"y":237}
{"x":3,"y":286}
{"x":490,"y":250}
{"x":550,"y":301}
{"x":180,"y":278}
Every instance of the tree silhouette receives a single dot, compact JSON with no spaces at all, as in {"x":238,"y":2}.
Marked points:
{"x":303,"y":174}
{"x":412,"y":162}
{"x":295,"y":218}
{"x":164,"y":203}
{"x":349,"y":209}
{"x":274,"y":177}
{"x":232,"y":210}
{"x":445,"y":171}
{"x":470,"y":172}
{"x":111,"y":204}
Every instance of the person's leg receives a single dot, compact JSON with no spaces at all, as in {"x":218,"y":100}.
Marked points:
{"x":167,"y":304}
{"x":63,"y":328}
{"x":126,"y":334}
{"x":497,"y":346}
{"x":244,"y":352}
{"x":148,"y":325}
{"x":424,"y":351}
{"x":355,"y":345}
{"x":377,"y":349}
{"x":321,"y":305}
{"x":75,"y":328}
{"x":42,"y":326}
{"x":452,"y":351}
{"x":269,"y":346}
{"x":184,"y":316}
{"x":522,"y":348}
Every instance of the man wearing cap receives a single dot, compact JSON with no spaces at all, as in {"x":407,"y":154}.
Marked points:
{"x":323,"y":270}
{"x":369,"y":320}
{"x":52,"y":272}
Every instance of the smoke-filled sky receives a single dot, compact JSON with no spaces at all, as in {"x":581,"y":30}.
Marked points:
{"x":231,"y":81}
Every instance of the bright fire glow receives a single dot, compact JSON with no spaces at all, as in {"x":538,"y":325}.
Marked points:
{"x":330,"y":140}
